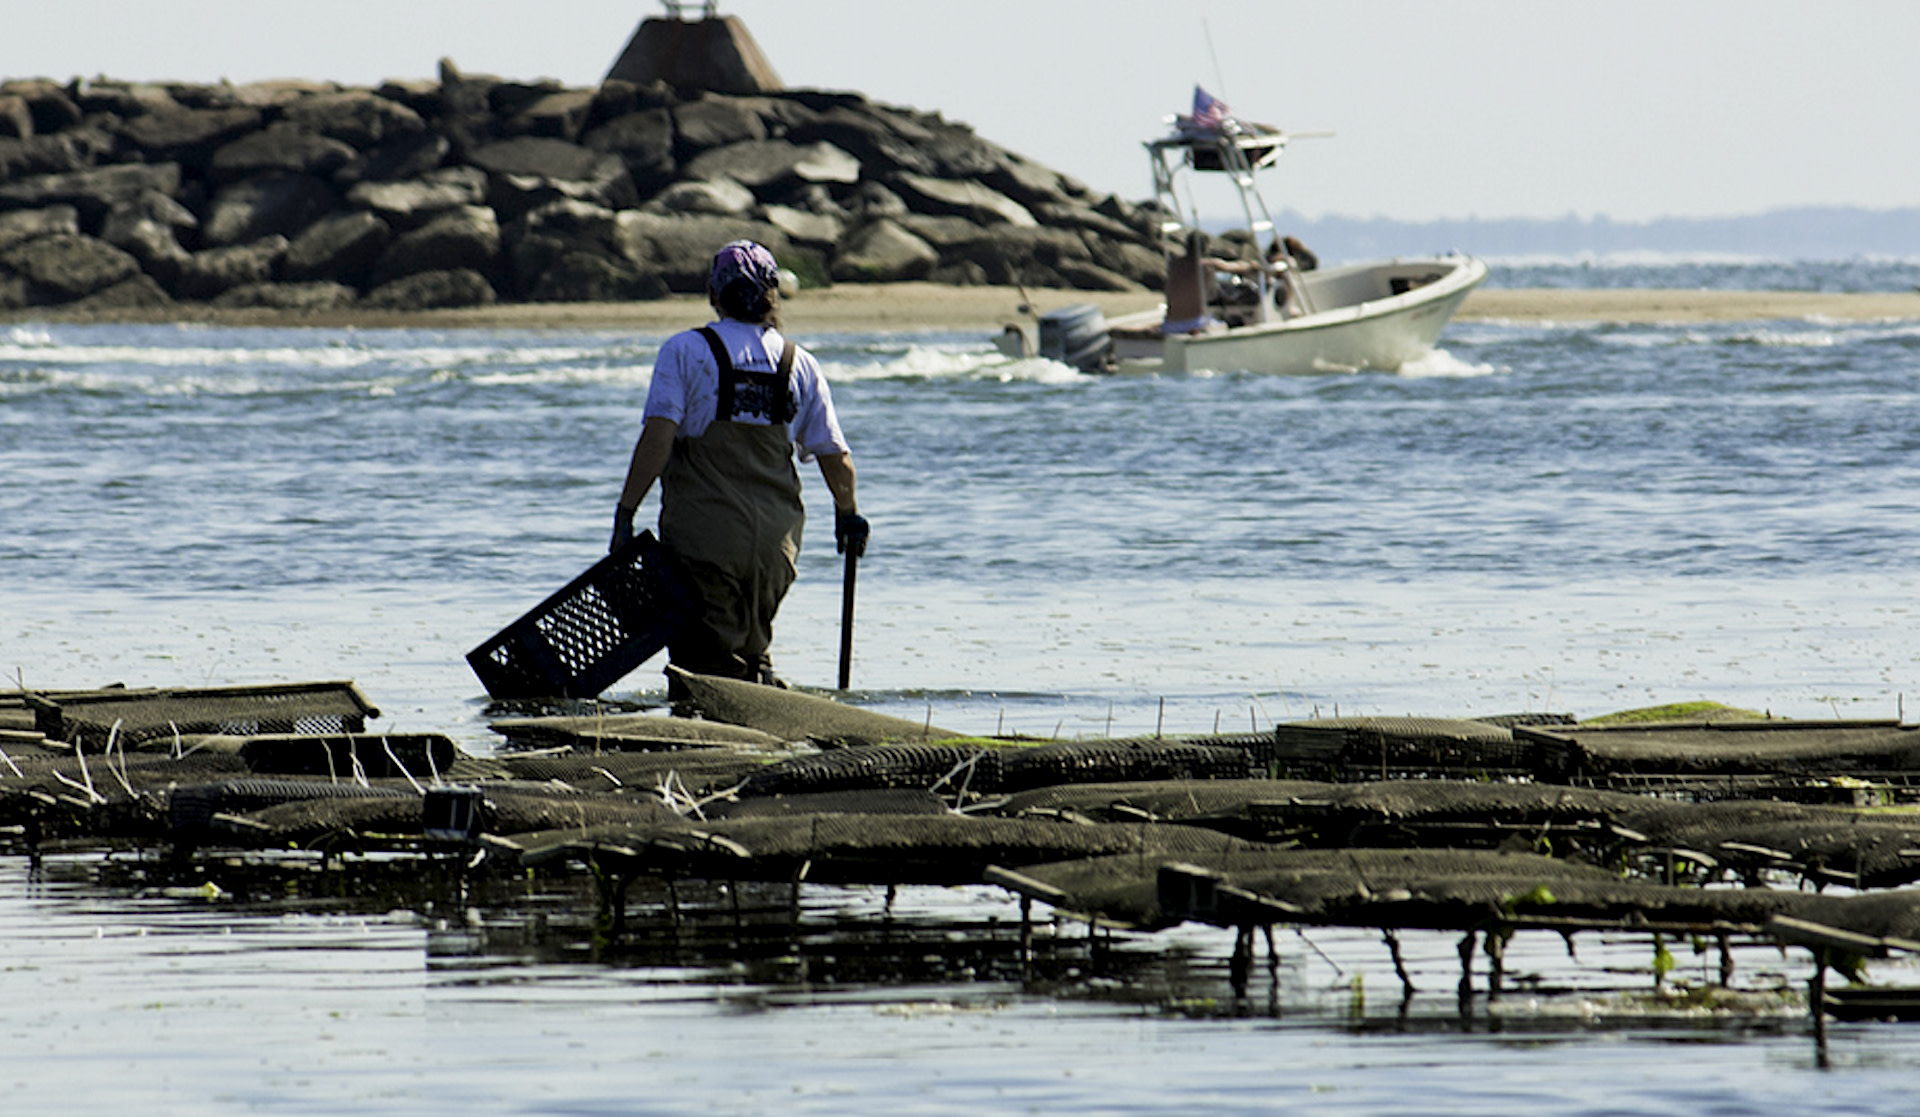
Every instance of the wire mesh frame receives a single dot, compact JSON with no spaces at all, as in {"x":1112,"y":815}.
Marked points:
{"x":583,"y":638}
{"x":90,"y":718}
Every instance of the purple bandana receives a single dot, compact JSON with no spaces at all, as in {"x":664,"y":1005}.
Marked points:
{"x":743,"y":259}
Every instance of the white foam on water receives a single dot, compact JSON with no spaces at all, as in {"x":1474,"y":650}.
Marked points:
{"x":1439,"y":362}
{"x":936,"y":362}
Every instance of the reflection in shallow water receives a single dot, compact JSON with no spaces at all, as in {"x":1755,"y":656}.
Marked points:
{"x":382,"y":985}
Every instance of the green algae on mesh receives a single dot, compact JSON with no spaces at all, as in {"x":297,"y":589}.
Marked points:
{"x":986,"y":742}
{"x":1678,"y":711}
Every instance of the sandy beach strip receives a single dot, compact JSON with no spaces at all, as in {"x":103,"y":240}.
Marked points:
{"x":928,"y":306}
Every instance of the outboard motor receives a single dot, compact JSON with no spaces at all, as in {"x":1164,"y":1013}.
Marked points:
{"x":1077,"y":336}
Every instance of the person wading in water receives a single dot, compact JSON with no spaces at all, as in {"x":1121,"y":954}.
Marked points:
{"x":728,"y":404}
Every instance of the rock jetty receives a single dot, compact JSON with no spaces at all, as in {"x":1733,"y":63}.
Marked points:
{"x":474,"y":189}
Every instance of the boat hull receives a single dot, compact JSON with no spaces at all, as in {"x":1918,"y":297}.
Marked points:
{"x":1359,"y":322}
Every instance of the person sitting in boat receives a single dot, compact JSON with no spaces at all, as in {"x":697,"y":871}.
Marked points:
{"x":1191,"y":284}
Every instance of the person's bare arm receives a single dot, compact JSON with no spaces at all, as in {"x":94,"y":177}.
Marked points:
{"x":849,"y":526}
{"x":837,"y":471}
{"x":650,"y":455}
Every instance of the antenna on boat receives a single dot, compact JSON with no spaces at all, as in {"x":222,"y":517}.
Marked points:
{"x":1219,"y":78}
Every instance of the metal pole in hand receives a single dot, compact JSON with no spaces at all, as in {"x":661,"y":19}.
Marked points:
{"x":846,"y":618}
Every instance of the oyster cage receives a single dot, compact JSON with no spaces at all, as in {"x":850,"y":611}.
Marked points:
{"x":593,"y":631}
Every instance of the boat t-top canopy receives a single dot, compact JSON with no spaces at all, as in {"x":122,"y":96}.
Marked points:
{"x":1213,"y":140}
{"x":1244,"y":149}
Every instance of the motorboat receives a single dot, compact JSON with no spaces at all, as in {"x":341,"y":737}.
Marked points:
{"x":1277,"y":314}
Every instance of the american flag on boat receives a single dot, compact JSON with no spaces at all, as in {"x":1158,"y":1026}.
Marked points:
{"x":1209,"y":112}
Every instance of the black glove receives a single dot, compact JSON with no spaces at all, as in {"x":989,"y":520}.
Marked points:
{"x":850,"y":533}
{"x":622,"y":528}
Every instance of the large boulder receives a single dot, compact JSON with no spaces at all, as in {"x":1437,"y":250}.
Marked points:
{"x":560,"y":115}
{"x":949,"y":235}
{"x":1027,"y":182}
{"x":883,"y":252}
{"x":47,"y":102}
{"x":715,"y":121}
{"x":576,"y":276}
{"x":187,"y":136}
{"x":809,"y":197}
{"x":413,"y":203}
{"x":206,"y":274}
{"x":530,"y":170}
{"x":643,"y":140}
{"x":434,"y":290}
{"x":301,"y":297}
{"x":509,"y":99}
{"x":342,"y":247}
{"x":1140,"y":263}
{"x":466,"y":111}
{"x":422,"y":95}
{"x":965,"y":198}
{"x":93,"y":191}
{"x":39,"y":155}
{"x":402,"y":157}
{"x":24,"y":225}
{"x":680,"y":249}
{"x":280,"y":147}
{"x":68,"y":266}
{"x":356,"y":117}
{"x":1033,"y":256}
{"x":1082,"y":275}
{"x":123,"y":99}
{"x":1073,"y":215}
{"x":568,"y":218}
{"x":723,"y":197}
{"x":276,"y":93}
{"x":267,"y":205}
{"x":874,"y":142}
{"x":462,"y":239}
{"x":546,"y":158}
{"x":805,"y":226}
{"x":150,"y":240}
{"x":553,"y":247}
{"x":15,"y":292}
{"x":759,"y":164}
{"x":870,"y":201}
{"x":136,"y":292}
{"x":16,"y":118}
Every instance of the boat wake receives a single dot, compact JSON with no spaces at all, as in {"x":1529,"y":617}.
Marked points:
{"x":1439,"y":363}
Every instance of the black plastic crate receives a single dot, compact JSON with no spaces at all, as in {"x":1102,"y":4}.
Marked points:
{"x":596,"y":629}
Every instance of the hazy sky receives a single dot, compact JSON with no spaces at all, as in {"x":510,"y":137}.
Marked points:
{"x":1445,"y":108}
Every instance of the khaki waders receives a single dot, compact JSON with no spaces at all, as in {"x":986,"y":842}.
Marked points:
{"x":730,"y":511}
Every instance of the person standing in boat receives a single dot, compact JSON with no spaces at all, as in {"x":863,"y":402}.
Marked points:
{"x":728,"y":404}
{"x":1284,"y":257}
{"x":1302,"y":256}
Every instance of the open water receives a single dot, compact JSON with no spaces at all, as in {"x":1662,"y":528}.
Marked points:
{"x":1571,"y":517}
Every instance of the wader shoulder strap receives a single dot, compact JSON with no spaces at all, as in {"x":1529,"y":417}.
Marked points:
{"x":768,"y":393}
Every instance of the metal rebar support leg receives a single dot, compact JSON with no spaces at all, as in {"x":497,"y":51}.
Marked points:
{"x":1399,"y":960}
{"x":1497,"y":964}
{"x":1466,"y":972}
{"x":1240,"y":966}
{"x":1817,"y":1004}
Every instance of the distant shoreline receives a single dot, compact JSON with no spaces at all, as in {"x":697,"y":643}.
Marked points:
{"x":927,"y":306}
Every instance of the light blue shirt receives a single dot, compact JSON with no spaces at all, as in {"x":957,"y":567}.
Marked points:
{"x":686,"y":385}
